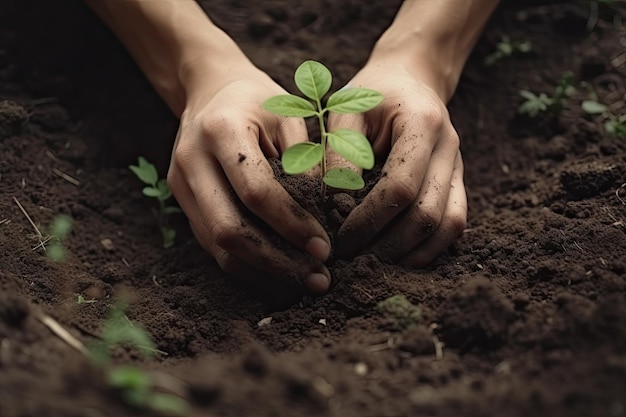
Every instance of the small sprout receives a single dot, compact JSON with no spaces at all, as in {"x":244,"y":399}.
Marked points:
{"x":119,"y":330}
{"x":534,"y":104}
{"x":314,"y":80}
{"x":399,"y":308}
{"x":613,"y":125}
{"x":506,"y":48}
{"x":58,"y":231}
{"x":593,"y":107}
{"x":157,"y":188}
{"x":134,"y":385}
{"x":81,"y":300}
{"x":137,"y":390}
{"x":542,"y":103}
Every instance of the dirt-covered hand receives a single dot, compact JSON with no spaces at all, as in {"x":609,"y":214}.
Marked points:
{"x":220,"y":175}
{"x":418,"y":207}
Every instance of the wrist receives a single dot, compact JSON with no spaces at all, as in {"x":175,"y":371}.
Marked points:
{"x":432,"y":40}
{"x":425,"y":60}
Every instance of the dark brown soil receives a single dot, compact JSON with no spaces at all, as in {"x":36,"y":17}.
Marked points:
{"x":530,"y":305}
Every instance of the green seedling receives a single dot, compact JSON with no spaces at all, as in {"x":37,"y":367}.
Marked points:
{"x":134,"y":385}
{"x":314,"y":80}
{"x":399,"y":308}
{"x":157,"y":188}
{"x":542,"y":103}
{"x":137,"y":390}
{"x":613,"y":124}
{"x":119,"y":330}
{"x":82,"y":300}
{"x":58,"y":231}
{"x":506,"y":48}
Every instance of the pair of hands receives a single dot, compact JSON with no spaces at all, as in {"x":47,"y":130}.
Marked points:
{"x":414,"y":212}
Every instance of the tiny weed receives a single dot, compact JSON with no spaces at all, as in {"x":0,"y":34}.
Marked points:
{"x":135,"y":386}
{"x":506,"y":48}
{"x":157,"y":188}
{"x":58,"y":231}
{"x":399,"y":308}
{"x":613,"y":124}
{"x":542,"y":103}
{"x":314,"y":80}
{"x":82,"y":300}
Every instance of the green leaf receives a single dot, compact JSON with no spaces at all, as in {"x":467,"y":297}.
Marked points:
{"x":528,"y":95}
{"x":301,"y":157}
{"x":151,"y":192}
{"x":168,"y":404}
{"x":55,"y":251}
{"x":145,"y":171}
{"x":313,"y":79}
{"x":353,"y":146}
{"x":353,"y":100}
{"x":593,"y":107}
{"x":289,"y":105}
{"x":344,"y":178}
{"x":164,"y":189}
{"x":169,"y":235}
{"x":171,"y":210}
{"x":61,"y":226}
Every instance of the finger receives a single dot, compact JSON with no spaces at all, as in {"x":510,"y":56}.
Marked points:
{"x":277,"y":294}
{"x":451,"y":227}
{"x":414,"y":138}
{"x":253,"y":180}
{"x":424,"y":216}
{"x":220,"y":223}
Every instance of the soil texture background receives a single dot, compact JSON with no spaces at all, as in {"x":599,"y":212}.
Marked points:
{"x":524,"y":316}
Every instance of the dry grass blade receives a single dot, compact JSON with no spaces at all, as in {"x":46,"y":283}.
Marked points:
{"x":63,"y":334}
{"x":28,"y":217}
{"x":66,"y":177}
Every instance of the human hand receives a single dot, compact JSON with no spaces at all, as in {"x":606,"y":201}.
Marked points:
{"x":220,"y":175}
{"x":419,"y":206}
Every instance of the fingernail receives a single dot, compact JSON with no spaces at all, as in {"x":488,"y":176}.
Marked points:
{"x":318,"y":248}
{"x":317,"y":282}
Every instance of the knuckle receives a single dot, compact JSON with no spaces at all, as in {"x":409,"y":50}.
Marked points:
{"x":456,"y":223}
{"x":428,"y":219}
{"x":221,"y":123}
{"x":403,"y":191}
{"x":227,"y":262}
{"x":254,"y":194}
{"x":433,"y":117}
{"x":454,"y":139}
{"x":224,"y":235}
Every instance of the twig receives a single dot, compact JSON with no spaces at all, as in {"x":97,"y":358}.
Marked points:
{"x":5,"y":221}
{"x":621,"y":187}
{"x":63,"y":334}
{"x":66,"y":177}
{"x":28,"y":218}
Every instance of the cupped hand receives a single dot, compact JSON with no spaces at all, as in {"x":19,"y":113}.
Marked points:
{"x":419,"y":206}
{"x":220,"y":175}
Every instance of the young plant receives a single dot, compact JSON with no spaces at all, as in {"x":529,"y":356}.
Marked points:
{"x":157,"y":188}
{"x":58,"y":231}
{"x":314,"y":80}
{"x":133,"y":384}
{"x":399,"y":308}
{"x":506,"y":48}
{"x":613,"y":124}
{"x":543,"y":103}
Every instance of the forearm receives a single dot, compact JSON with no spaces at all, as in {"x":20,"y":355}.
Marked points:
{"x":167,"y":38}
{"x":434,"y":39}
